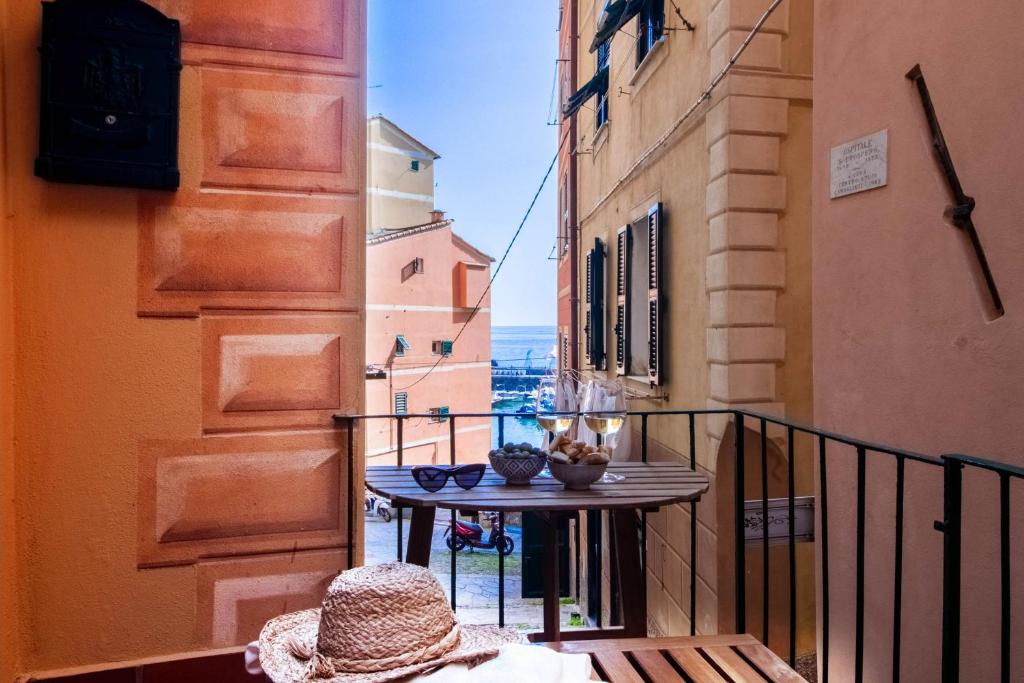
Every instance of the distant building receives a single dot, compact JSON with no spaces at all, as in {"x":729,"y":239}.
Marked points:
{"x":400,"y":177}
{"x":422,"y":284}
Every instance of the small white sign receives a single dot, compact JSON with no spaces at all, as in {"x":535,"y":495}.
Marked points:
{"x":860,"y":164}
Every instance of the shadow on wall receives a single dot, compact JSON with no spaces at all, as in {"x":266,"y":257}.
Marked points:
{"x":778,"y":626}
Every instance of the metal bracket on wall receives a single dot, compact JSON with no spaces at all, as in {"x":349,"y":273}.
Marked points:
{"x":963,"y":204}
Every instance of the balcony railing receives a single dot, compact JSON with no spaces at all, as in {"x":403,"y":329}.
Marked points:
{"x":826,"y":448}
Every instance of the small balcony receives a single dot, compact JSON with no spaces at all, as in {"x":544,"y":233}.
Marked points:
{"x":804,"y":540}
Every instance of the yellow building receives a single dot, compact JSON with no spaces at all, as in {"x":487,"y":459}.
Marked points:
{"x":400,"y":174}
{"x":696,"y":220}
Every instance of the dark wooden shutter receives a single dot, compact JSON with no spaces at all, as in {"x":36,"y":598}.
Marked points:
{"x":655,"y":362}
{"x":594,"y":327}
{"x":622,"y":273}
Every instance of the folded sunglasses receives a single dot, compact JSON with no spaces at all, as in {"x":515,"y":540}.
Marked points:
{"x":433,"y":478}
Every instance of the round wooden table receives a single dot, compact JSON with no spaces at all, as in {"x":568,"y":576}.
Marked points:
{"x":645,"y":487}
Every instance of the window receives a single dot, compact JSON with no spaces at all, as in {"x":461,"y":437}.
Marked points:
{"x":439,"y":414}
{"x":638,"y":298}
{"x":442,"y":348}
{"x":650,"y":27}
{"x":401,"y":345}
{"x":415,"y":166}
{"x":604,"y":55}
{"x":401,"y":403}
{"x":593,"y":329}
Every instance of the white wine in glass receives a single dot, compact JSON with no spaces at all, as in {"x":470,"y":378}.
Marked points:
{"x":604,"y":412}
{"x":604,"y":423}
{"x":556,"y":404}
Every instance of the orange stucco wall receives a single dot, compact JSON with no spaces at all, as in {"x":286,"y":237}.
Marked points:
{"x":904,"y":352}
{"x":9,"y":622}
{"x":171,"y":396}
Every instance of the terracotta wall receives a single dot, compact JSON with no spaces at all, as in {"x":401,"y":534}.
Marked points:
{"x":9,"y":623}
{"x":904,"y":349}
{"x":178,"y":355}
{"x":427,"y":307}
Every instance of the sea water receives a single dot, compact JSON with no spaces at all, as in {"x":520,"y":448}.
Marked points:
{"x":524,"y":351}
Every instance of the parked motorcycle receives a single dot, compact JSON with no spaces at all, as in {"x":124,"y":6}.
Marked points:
{"x":468,"y":534}
{"x":375,"y":505}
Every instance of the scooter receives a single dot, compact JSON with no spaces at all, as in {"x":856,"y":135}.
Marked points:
{"x":468,"y":534}
{"x":377,"y":505}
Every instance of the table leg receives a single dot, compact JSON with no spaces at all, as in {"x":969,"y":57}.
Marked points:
{"x":631,"y":578}
{"x":552,"y":607}
{"x":421,"y":531}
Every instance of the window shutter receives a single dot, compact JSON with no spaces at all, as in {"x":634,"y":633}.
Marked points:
{"x":588,"y":297}
{"x":401,"y":403}
{"x":654,"y":300}
{"x":594,"y":329}
{"x":622,"y":301}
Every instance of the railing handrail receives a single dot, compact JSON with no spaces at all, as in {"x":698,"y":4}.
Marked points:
{"x":953,"y":464}
{"x":986,"y":464}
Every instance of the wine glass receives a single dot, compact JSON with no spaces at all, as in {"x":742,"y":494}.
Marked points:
{"x":604,"y":412}
{"x":556,"y":408}
{"x":556,"y":404}
{"x":604,"y":406}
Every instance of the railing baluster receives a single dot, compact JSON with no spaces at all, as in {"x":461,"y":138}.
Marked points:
{"x":791,"y":486}
{"x":451,"y":440}
{"x":693,"y":534}
{"x":897,"y":589}
{"x":740,"y":542}
{"x":765,"y":578}
{"x":1004,"y":572}
{"x":454,"y":546}
{"x":501,"y":431}
{"x":643,"y":513}
{"x":501,"y":575}
{"x":451,"y":458}
{"x":398,"y":508}
{"x":858,"y":664}
{"x":350,"y":428}
{"x":951,"y":550}
{"x":823,"y":493}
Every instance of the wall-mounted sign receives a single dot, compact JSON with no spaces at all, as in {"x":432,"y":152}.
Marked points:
{"x":860,"y":165}
{"x":778,"y":520}
{"x":109,"y":103}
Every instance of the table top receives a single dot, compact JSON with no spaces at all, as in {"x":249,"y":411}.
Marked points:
{"x":646,"y":485}
{"x":634,"y":660}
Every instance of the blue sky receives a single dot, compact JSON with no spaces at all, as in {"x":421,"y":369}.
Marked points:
{"x":472,"y":79}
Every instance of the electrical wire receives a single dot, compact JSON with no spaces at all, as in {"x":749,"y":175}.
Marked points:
{"x":704,"y":96}
{"x":501,"y":262}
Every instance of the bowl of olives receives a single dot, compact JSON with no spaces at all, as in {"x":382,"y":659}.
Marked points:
{"x":517,"y":463}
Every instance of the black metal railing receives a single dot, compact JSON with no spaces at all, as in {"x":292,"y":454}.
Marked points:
{"x":825,"y":448}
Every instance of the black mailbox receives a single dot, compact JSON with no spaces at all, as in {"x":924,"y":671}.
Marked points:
{"x":109,"y":101}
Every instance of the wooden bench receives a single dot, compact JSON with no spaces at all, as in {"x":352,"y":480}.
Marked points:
{"x":701,"y":659}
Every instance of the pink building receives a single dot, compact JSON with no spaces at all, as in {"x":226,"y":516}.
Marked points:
{"x":426,"y":352}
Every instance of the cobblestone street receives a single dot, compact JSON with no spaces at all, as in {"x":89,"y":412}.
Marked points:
{"x":476,"y":587}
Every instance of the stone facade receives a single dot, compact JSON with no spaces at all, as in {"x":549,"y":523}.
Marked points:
{"x":731,"y":181}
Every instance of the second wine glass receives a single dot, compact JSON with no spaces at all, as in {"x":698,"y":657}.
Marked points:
{"x":556,"y":404}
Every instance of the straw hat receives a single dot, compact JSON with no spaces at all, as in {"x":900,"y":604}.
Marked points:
{"x":378,"y":623}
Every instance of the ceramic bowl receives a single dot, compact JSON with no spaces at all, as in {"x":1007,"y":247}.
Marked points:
{"x":576,"y":477}
{"x":517,"y":471}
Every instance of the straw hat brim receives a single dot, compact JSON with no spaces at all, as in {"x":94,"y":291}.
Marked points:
{"x":476,"y":644}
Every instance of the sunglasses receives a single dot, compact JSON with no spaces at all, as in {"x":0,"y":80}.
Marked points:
{"x":434,"y":478}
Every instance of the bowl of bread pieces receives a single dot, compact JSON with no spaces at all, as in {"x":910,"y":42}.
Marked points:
{"x":576,"y":464}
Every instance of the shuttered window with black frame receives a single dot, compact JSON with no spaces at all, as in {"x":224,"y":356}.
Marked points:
{"x":639,"y":306}
{"x":650,"y":27}
{"x":604,"y":55}
{"x":593,"y":328}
